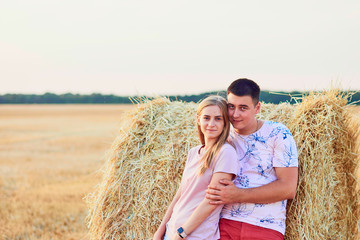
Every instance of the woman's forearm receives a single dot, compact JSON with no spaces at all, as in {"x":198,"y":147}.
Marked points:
{"x":204,"y":209}
{"x":199,"y":215}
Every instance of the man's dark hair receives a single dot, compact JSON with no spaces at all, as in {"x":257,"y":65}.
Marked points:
{"x":245,"y":87}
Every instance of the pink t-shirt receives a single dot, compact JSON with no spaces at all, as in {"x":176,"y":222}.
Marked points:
{"x":193,"y":189}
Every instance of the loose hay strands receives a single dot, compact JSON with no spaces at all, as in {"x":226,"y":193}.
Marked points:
{"x":146,"y":161}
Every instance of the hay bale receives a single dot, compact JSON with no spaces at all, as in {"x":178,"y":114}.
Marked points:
{"x":327,"y":202}
{"x":143,"y":171}
{"x":276,"y":112}
{"x":145,"y":164}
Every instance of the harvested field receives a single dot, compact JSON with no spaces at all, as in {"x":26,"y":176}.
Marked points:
{"x":49,"y":160}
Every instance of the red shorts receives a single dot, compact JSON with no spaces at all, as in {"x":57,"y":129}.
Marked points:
{"x":234,"y":230}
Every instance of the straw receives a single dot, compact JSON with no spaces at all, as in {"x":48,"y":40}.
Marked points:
{"x":144,"y":166}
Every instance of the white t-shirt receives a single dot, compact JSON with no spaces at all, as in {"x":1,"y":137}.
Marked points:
{"x":259,"y":153}
{"x":193,"y":187}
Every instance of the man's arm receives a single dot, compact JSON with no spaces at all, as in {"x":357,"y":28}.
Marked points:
{"x":283,"y":188}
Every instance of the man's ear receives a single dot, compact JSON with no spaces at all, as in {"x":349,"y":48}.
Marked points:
{"x":257,"y":107}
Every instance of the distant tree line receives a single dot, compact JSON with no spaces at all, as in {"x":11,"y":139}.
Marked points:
{"x":97,"y":98}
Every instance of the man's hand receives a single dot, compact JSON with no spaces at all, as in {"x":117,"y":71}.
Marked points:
{"x":224,"y":192}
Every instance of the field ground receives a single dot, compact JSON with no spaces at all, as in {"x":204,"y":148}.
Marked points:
{"x":49,"y":160}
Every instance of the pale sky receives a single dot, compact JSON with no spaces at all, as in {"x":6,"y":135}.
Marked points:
{"x":128,"y":47}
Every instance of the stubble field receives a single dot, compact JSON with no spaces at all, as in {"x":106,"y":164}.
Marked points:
{"x":50,"y":157}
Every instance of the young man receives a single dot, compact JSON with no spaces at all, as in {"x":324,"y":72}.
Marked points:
{"x":255,"y":204}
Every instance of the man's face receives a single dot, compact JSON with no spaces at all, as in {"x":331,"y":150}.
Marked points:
{"x":242,"y":113}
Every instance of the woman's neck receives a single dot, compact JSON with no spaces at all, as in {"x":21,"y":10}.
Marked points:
{"x":209,"y":143}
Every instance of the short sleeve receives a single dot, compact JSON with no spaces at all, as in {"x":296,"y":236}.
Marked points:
{"x":192,"y":152}
{"x":285,"y":151}
{"x":227,"y":160}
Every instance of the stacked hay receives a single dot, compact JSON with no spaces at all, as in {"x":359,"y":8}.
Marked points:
{"x":146,"y":161}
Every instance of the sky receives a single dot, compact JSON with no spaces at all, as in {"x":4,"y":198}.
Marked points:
{"x":138,"y":47}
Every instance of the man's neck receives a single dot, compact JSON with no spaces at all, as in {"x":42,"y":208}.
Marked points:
{"x":252,"y":128}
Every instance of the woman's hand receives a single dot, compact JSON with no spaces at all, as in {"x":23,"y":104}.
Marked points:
{"x":158,"y":236}
{"x":177,"y":237}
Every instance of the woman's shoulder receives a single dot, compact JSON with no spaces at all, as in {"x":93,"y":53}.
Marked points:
{"x":194,"y":150}
{"x":227,"y":147}
{"x":227,"y":155}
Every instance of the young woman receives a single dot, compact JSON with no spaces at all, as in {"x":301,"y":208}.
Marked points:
{"x":190,"y":216}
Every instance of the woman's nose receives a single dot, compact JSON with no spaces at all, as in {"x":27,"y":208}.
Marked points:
{"x":212,"y":122}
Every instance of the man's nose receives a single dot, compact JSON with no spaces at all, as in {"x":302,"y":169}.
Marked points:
{"x":236,"y":113}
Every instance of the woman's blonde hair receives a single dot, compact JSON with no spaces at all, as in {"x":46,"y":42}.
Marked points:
{"x":211,"y":153}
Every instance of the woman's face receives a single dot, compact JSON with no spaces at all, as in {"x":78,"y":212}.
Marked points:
{"x":211,"y":122}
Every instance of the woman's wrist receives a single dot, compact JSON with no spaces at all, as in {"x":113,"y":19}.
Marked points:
{"x":181,"y":232}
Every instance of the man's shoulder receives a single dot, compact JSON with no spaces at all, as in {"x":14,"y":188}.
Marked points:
{"x":278,"y":131}
{"x":275,"y":125}
{"x":274,"y":130}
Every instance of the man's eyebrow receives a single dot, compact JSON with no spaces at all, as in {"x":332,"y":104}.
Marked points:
{"x":241,"y":105}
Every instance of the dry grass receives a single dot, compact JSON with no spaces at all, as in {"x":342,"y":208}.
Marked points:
{"x":146,"y":160}
{"x":355,"y":111}
{"x":49,"y":158}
